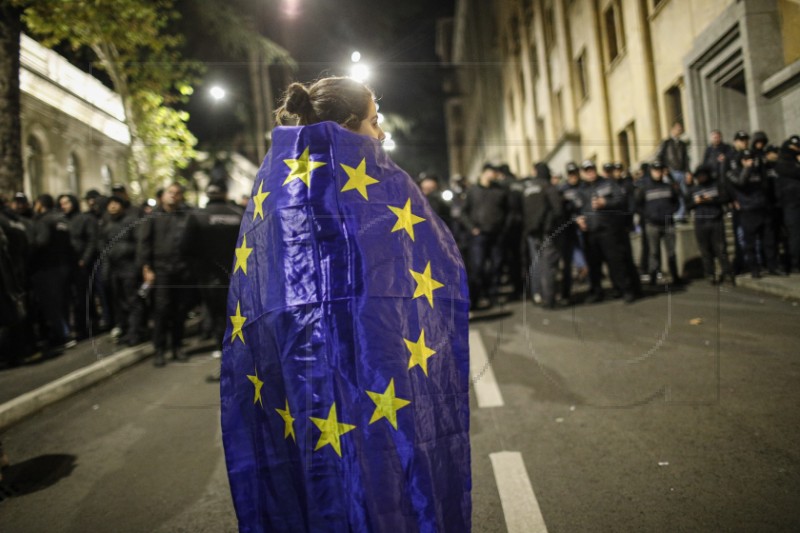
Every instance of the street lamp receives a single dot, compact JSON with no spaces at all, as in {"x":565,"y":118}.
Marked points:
{"x":217,"y":93}
{"x":355,"y":57}
{"x":359,"y":72}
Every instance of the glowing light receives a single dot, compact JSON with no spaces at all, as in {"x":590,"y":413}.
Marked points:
{"x":447,"y":195}
{"x":389,"y":145}
{"x":151,"y":202}
{"x":217,"y":92}
{"x":380,"y":118}
{"x":359,"y":72}
{"x":355,"y":57}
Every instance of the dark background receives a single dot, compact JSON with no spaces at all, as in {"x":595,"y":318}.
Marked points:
{"x":396,"y":39}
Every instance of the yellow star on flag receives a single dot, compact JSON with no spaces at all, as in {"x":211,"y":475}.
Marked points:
{"x":405,"y":218}
{"x":288,"y":419}
{"x":242,"y":253}
{"x":331,"y":430}
{"x":387,"y":404}
{"x":425,"y":284}
{"x":258,"y":201}
{"x":238,"y":321}
{"x":301,"y":168}
{"x":419,"y":353}
{"x":257,"y":384}
{"x":358,"y":178}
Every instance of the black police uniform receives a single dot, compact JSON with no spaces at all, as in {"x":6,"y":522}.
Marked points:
{"x":83,"y":236}
{"x":658,"y":202}
{"x":604,"y":239}
{"x":707,"y":200}
{"x":750,"y":189}
{"x":209,"y":242}
{"x":160,"y":242}
{"x":486,"y":209}
{"x":50,"y":265}
{"x":118,"y":241}
{"x":571,"y":238}
{"x":542,"y":214}
{"x":788,"y":193}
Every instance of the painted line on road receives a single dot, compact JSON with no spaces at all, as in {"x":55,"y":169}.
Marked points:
{"x":520,"y":508}
{"x":486,"y":389}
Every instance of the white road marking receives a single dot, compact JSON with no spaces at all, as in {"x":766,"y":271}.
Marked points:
{"x":486,"y":389}
{"x":520,"y":507}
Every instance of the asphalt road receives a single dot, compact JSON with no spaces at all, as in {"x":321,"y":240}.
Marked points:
{"x":676,"y":413}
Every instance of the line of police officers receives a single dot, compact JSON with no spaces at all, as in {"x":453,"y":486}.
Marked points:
{"x":586,"y":220}
{"x":65,"y":274}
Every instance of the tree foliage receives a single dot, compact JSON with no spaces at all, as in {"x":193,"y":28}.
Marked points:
{"x":132,"y":43}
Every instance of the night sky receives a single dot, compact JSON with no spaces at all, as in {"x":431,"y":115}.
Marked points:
{"x":397,"y":39}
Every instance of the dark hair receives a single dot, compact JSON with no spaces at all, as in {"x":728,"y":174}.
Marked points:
{"x":76,"y":205}
{"x":341,"y":100}
{"x":46,"y":201}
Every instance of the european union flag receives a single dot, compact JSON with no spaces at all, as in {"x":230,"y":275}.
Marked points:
{"x":344,"y":384}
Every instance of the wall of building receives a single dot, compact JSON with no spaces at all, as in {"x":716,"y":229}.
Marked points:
{"x":74,"y":137}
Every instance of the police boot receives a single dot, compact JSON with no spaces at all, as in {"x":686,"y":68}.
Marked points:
{"x":178,"y":355}
{"x":673,"y":271}
{"x":159,"y":360}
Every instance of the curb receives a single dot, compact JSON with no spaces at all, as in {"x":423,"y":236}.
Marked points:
{"x":783,"y":290}
{"x":26,"y":404}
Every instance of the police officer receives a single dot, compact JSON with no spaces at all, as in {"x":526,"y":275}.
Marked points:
{"x":751,"y":195}
{"x":83,"y":236}
{"x":209,"y":243}
{"x":542,"y":214}
{"x":658,"y":201}
{"x":14,"y":248}
{"x":602,"y":219}
{"x":50,"y":263}
{"x":741,"y":140}
{"x":706,"y":197}
{"x":788,"y":192}
{"x":118,"y":240}
{"x":486,"y":217}
{"x":164,"y":268}
{"x":572,"y":238}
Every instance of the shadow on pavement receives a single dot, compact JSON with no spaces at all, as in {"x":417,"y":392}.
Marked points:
{"x":35,"y":474}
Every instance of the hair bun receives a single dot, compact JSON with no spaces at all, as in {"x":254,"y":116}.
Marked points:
{"x":298,"y":101}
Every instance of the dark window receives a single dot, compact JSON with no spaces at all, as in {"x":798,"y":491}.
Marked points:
{"x":674,"y":105}
{"x":35,"y":164}
{"x":611,"y":33}
{"x":581,"y":76}
{"x":549,"y":29}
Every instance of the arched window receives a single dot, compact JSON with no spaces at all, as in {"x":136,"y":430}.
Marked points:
{"x":73,"y":174}
{"x":34,"y":164}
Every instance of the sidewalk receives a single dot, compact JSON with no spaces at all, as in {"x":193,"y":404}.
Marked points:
{"x":785,"y":287}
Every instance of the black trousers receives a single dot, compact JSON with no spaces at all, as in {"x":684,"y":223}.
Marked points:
{"x":485,"y":261}
{"x":791,"y":219}
{"x":757,"y":226}
{"x":608,"y":246}
{"x":215,"y":296}
{"x":123,"y":295}
{"x":171,"y":297}
{"x":48,"y":286}
{"x":710,"y":235}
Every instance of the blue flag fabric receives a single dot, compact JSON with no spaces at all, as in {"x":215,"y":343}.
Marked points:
{"x":345,"y":403}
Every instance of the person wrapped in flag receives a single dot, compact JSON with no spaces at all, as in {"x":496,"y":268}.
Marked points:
{"x":344,"y":386}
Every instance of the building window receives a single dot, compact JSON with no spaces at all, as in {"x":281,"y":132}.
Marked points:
{"x":558,"y":116}
{"x":673,"y":105}
{"x":549,"y":28}
{"x":582,"y":77}
{"x":533,"y":52}
{"x":34,"y":164}
{"x":527,"y":11}
{"x":614,"y":29}
{"x":627,"y":145}
{"x":73,"y":174}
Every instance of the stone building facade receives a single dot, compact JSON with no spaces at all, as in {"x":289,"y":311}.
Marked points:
{"x":561,"y":80}
{"x":74,"y":136}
